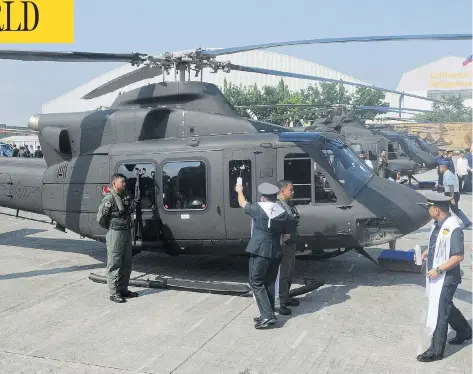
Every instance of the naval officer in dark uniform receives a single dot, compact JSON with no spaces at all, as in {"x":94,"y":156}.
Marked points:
{"x":444,"y":254}
{"x":270,"y":227}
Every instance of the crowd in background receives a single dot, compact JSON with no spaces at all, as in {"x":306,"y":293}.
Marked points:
{"x":461,"y":168}
{"x":25,"y":151}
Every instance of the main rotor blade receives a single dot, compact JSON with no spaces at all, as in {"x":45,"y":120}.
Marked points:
{"x":279,"y":73}
{"x":393,"y":38}
{"x":69,"y":56}
{"x":282,"y":106}
{"x":364,"y":107}
{"x":389,"y":109}
{"x":145,"y":72}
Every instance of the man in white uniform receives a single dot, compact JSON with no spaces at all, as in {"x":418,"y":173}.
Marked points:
{"x":462,"y":171}
{"x":444,"y":254}
{"x":452,"y":189}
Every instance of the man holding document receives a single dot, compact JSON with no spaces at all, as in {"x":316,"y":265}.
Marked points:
{"x":444,"y":254}
{"x":269,"y":222}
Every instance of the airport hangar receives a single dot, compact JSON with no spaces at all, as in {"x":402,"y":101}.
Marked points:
{"x":441,"y":79}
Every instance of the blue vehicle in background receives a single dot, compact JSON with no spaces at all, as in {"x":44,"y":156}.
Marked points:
{"x":6,"y":150}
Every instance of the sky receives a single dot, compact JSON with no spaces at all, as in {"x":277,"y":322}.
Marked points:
{"x":152,"y":26}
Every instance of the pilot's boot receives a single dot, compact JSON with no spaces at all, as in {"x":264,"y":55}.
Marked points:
{"x":292,"y":302}
{"x":284,"y":310}
{"x":117,"y":298}
{"x":128,"y":293}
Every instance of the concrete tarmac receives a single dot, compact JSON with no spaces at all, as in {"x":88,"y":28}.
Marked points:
{"x":53,"y":319}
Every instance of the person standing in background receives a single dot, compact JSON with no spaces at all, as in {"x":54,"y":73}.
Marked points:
{"x":450,"y":183}
{"x":462,"y":171}
{"x":383,"y":169}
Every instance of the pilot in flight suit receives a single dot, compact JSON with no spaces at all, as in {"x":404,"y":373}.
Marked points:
{"x":444,"y":254}
{"x":114,"y":214}
{"x":288,"y":262}
{"x":270,"y":222}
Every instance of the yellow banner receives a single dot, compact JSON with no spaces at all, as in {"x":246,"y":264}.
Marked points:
{"x":36,"y":21}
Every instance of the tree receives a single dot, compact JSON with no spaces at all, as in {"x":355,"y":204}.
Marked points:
{"x":323,"y":94}
{"x":368,"y":97}
{"x":450,"y":110}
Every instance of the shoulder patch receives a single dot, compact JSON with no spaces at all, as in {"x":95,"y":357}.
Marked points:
{"x":445,"y":231}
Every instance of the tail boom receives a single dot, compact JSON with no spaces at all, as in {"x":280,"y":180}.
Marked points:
{"x":21,"y":182}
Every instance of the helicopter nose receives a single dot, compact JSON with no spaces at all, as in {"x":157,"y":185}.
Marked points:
{"x":396,"y":203}
{"x":429,"y":160}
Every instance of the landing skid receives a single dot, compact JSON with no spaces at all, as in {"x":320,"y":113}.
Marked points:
{"x":236,"y":289}
{"x":422,"y":185}
{"x":322,"y":255}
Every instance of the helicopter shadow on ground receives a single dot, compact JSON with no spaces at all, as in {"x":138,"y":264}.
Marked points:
{"x":25,"y":238}
{"x":340,"y":275}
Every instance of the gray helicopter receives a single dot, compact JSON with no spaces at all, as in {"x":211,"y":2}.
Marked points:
{"x":182,"y":147}
{"x":421,"y":143}
{"x":343,"y":120}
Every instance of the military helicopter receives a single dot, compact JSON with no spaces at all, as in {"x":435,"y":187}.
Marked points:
{"x":182,"y":147}
{"x":422,"y":144}
{"x":408,"y":146}
{"x":341,"y":119}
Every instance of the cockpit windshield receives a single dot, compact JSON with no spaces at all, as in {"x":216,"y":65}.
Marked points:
{"x":422,"y":142}
{"x":349,"y":170}
{"x":412,"y":143}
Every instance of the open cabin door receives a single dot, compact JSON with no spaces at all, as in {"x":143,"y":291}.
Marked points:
{"x":317,"y":196}
{"x":141,"y":184}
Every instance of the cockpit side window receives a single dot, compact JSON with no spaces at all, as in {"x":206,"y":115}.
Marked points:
{"x":323,"y":193}
{"x":297,"y":170}
{"x":308,"y":182}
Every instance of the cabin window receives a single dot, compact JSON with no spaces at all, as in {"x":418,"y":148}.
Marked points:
{"x":323,"y":193}
{"x":242,"y":169}
{"x":184,"y":185}
{"x":297,"y":170}
{"x":146,"y":173}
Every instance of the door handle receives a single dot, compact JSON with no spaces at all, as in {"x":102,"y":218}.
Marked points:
{"x":218,"y":210}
